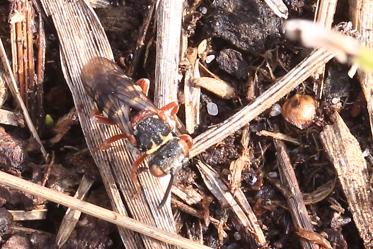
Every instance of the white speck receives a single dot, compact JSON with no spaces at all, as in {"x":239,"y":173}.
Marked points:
{"x":203,"y":10}
{"x":212,"y":109}
{"x":275,"y":110}
{"x":210,"y":58}
{"x":272,"y":174}
{"x":335,"y":101}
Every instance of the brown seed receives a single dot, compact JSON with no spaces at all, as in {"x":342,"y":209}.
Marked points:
{"x":299,"y":110}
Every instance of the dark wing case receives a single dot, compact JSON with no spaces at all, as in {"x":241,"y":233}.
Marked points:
{"x":113,"y":92}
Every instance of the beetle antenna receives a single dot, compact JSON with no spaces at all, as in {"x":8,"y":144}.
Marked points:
{"x":168,"y":191}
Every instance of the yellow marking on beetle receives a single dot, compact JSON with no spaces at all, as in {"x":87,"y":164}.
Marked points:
{"x":154,"y":147}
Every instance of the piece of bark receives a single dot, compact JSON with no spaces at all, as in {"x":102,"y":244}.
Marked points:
{"x":81,"y":38}
{"x":22,"y":19}
{"x":294,"y":196}
{"x":3,"y":91}
{"x":345,"y":153}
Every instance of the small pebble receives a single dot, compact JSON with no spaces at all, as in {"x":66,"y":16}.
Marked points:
{"x":210,"y":58}
{"x":237,"y":236}
{"x":212,"y":109}
{"x":272,"y":174}
{"x":203,"y":10}
{"x":275,"y":110}
{"x":335,"y":101}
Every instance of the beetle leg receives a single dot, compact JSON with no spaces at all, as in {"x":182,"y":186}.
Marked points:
{"x":144,"y":85}
{"x":106,"y":144}
{"x":135,"y":167}
{"x":173,"y":106}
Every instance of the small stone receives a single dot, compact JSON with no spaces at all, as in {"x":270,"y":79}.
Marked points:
{"x":212,"y":109}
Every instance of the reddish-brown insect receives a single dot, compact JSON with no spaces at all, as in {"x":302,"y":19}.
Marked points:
{"x":125,"y":104}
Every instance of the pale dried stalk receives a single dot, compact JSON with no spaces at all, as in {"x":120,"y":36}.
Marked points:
{"x":98,"y":212}
{"x":294,"y":197}
{"x":325,"y":15}
{"x":352,"y":171}
{"x":14,"y":90}
{"x":282,"y":87}
{"x":245,"y":219}
{"x":279,"y":136}
{"x":72,"y":216}
{"x":36,"y":214}
{"x":169,"y":16}
{"x":81,"y":38}
{"x":362,"y":18}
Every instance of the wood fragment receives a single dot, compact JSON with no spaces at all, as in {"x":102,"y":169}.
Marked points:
{"x":169,"y":16}
{"x":248,"y":223}
{"x":189,"y":195}
{"x":98,"y":212}
{"x":296,"y":205}
{"x":220,"y":88}
{"x":352,"y":171}
{"x":241,"y":162}
{"x":11,"y":82}
{"x":192,"y":96}
{"x":72,"y":216}
{"x":23,"y":57}
{"x":11,"y":118}
{"x":282,"y":87}
{"x":36,"y":214}
{"x":189,"y":210}
{"x":315,"y":238}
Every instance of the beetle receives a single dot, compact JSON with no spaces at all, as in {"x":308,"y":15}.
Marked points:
{"x":125,"y":104}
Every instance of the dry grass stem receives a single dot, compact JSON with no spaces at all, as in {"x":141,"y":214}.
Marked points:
{"x":294,"y":197}
{"x":72,"y":216}
{"x":246,"y":222}
{"x":169,"y":16}
{"x":282,"y":87}
{"x":278,"y":136}
{"x":98,"y":212}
